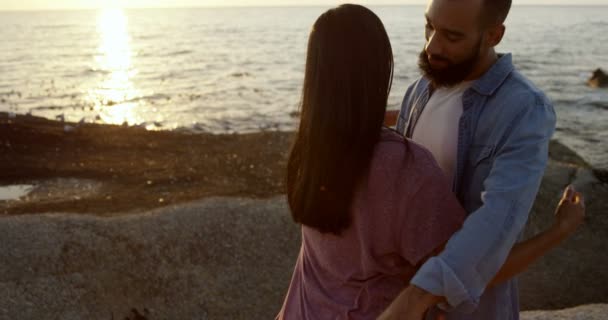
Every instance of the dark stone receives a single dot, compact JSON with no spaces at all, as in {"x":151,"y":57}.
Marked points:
{"x":599,"y":79}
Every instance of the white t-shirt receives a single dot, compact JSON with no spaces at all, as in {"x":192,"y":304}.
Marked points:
{"x":437,"y":127}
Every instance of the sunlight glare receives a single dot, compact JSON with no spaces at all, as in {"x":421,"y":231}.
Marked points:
{"x":113,"y":96}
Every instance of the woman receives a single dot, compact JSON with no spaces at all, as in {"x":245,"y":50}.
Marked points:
{"x":373,"y":206}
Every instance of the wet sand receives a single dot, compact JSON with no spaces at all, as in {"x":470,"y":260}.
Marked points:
{"x":112,"y":170}
{"x":109,"y":170}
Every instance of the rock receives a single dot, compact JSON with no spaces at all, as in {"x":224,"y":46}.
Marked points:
{"x":602,"y":175}
{"x":588,"y":312}
{"x":576,"y":272}
{"x":232,"y":258}
{"x":599,"y":79}
{"x":559,"y":152}
{"x":216,"y":259}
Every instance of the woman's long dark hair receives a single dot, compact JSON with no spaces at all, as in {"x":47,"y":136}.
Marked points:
{"x":349,"y":70}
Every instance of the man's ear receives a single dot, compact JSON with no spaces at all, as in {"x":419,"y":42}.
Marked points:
{"x":494,"y":35}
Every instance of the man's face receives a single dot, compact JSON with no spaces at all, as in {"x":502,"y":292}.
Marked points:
{"x":454,"y":40}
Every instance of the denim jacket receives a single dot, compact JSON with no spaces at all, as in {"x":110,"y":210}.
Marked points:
{"x":503,"y":141}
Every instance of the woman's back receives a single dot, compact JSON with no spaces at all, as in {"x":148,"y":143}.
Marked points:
{"x":401,"y":212}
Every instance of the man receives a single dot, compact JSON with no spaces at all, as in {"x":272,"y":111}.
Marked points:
{"x":489,"y":129}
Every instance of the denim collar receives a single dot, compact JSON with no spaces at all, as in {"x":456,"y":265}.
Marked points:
{"x":493,"y":78}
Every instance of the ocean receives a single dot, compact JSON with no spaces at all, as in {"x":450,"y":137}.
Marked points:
{"x":237,"y":70}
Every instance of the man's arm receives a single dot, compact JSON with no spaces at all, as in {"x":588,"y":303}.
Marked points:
{"x":569,"y":215}
{"x":474,"y":255}
{"x":390,"y":118}
{"x":414,"y":301}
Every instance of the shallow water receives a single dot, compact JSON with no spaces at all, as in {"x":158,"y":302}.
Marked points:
{"x":240,"y":69}
{"x":14,"y":192}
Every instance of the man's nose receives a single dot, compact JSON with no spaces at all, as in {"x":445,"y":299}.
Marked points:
{"x":433,"y":45}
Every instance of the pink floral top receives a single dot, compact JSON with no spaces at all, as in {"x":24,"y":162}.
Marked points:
{"x":401,"y":213}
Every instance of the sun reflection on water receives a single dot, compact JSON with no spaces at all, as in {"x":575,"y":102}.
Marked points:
{"x":113,"y":96}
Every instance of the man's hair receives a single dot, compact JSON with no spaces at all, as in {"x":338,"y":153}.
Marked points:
{"x":495,"y":11}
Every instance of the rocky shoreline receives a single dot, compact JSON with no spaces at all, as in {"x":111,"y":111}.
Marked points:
{"x":108,"y":169}
{"x":94,"y":241}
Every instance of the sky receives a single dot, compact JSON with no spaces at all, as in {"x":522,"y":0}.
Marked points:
{"x":82,"y":4}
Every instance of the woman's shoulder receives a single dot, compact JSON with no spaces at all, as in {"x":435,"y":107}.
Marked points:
{"x":393,"y":145}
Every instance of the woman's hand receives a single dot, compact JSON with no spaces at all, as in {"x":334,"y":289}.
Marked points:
{"x":570,"y":212}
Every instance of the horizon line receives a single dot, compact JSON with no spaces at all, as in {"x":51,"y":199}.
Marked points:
{"x":282,"y":6}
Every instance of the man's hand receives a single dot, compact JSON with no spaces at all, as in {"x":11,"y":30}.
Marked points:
{"x":411,"y":304}
{"x":570,"y":212}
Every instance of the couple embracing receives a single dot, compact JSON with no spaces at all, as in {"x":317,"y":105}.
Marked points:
{"x":425,"y":221}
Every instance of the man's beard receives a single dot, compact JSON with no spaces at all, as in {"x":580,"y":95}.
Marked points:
{"x":451,"y":75}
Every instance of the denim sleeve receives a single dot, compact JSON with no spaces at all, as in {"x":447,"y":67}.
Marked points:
{"x":404,"y":112}
{"x":475,"y":253}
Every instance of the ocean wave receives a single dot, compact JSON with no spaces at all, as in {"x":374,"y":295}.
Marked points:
{"x":596,"y":99}
{"x":240,"y":74}
{"x":11,"y":93}
{"x":146,"y":98}
{"x":90,"y":71}
{"x":152,"y":97}
{"x":599,"y":104}
{"x":55,"y":26}
{"x":47,"y":108}
{"x":147,"y":36}
{"x":73,"y":55}
{"x":153,"y":53}
{"x":179,"y":53}
{"x":21,"y":58}
{"x":226,"y":30}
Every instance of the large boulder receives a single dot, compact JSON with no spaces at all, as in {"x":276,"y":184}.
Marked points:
{"x":576,"y":272}
{"x":216,"y":259}
{"x":587,"y":312}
